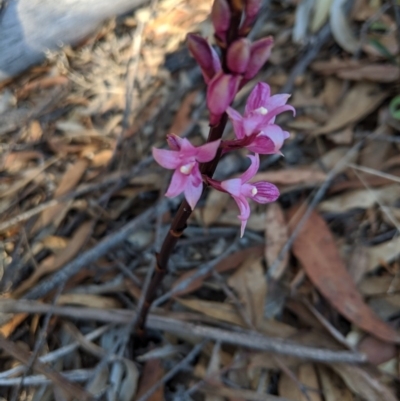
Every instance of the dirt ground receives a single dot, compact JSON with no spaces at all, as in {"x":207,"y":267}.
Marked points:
{"x":304,"y":307}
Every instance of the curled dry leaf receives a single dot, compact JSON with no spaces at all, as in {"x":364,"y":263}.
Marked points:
{"x":341,"y":28}
{"x":332,"y":386}
{"x":385,"y":252}
{"x":230,"y":263}
{"x":361,"y":198}
{"x":69,"y":180}
{"x":53,"y":263}
{"x":298,"y":176}
{"x":316,"y":249}
{"x":215,"y":204}
{"x":359,"y":102}
{"x":276,"y":235}
{"x":250,"y":285}
{"x":364,"y":384}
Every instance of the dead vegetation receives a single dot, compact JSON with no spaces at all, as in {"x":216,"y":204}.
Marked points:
{"x":305,"y":307}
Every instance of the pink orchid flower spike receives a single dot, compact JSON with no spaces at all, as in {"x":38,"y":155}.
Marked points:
{"x":241,"y":190}
{"x":256,"y":127}
{"x":184,"y":158}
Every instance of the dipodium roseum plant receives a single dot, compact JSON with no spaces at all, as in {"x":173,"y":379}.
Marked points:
{"x":255,"y":130}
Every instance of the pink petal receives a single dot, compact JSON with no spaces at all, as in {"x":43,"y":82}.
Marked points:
{"x":276,"y":101}
{"x":207,"y":152}
{"x":194,"y":187}
{"x":187,"y":152}
{"x":262,"y":145}
{"x":254,"y":123}
{"x":232,"y":186}
{"x":166,"y":158}
{"x":266,"y":192}
{"x":257,"y":98}
{"x":270,"y":116}
{"x":177,"y":185}
{"x":237,"y":122}
{"x":276,"y":134}
{"x":244,"y":208}
{"x":252,"y":170}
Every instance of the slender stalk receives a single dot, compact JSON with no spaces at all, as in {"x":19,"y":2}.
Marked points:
{"x":178,"y":224}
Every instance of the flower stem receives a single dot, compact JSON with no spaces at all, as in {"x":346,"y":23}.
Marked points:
{"x":178,"y":225}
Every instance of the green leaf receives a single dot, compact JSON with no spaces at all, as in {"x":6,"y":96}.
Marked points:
{"x":383,"y":50}
{"x":394,"y":107}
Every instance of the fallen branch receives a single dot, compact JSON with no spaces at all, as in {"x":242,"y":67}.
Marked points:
{"x":243,"y":338}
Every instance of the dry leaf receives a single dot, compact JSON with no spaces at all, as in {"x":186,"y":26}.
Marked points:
{"x":215,"y":204}
{"x":229,"y":263}
{"x":364,"y":384}
{"x":340,"y":26}
{"x":385,"y":252}
{"x":276,"y":236}
{"x":217,"y":310}
{"x":361,"y":198}
{"x":152,"y":373}
{"x":89,"y":300}
{"x":250,"y":284}
{"x":307,"y":176}
{"x":316,"y":249}
{"x":53,"y":263}
{"x":69,"y":180}
{"x":289,"y":389}
{"x":308,"y":377}
{"x":332,"y":387}
{"x":359,"y":102}
{"x":321,"y":13}
{"x":376,"y":350}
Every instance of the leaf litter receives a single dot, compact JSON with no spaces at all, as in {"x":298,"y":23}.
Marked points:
{"x":75,"y":171}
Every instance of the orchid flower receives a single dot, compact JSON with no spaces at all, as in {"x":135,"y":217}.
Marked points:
{"x":184,"y":158}
{"x":256,"y":130}
{"x":241,"y":189}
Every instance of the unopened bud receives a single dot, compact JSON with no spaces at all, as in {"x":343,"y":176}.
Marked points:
{"x":205,"y":55}
{"x":220,"y":94}
{"x":251,"y":9}
{"x":221,"y":18}
{"x":238,"y":56}
{"x":259,"y":54}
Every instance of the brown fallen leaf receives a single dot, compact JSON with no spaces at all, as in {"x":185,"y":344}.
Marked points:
{"x":376,"y":350}
{"x":152,"y":373}
{"x":250,"y":285}
{"x":316,"y":249}
{"x":230,"y":263}
{"x":309,"y":176}
{"x":360,"y":101}
{"x":276,"y":235}
{"x":215,"y":204}
{"x":361,"y":198}
{"x":308,"y":377}
{"x":364,"y":384}
{"x":54,"y":262}
{"x":333,"y":388}
{"x":69,"y":180}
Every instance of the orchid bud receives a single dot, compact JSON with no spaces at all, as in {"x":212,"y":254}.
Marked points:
{"x":251,"y":9}
{"x":220,"y":94}
{"x":259,"y":54}
{"x":221,"y":18}
{"x":238,"y":56}
{"x":205,"y":55}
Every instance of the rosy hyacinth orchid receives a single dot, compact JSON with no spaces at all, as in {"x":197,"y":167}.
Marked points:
{"x":256,"y":130}
{"x":241,"y":190}
{"x":184,"y":158}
